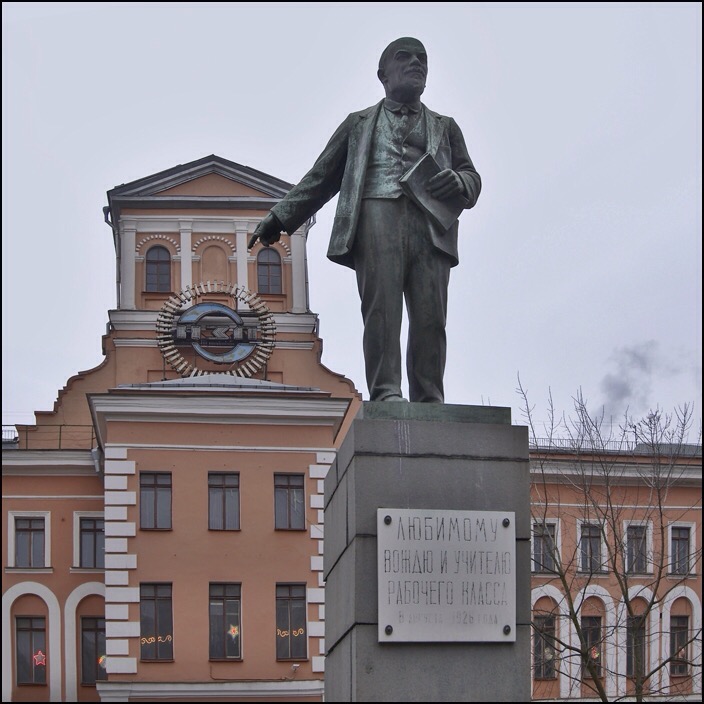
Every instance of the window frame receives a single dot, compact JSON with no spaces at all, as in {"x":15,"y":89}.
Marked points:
{"x":290,"y":491}
{"x":77,"y":517}
{"x":581,"y":525}
{"x":12,"y":538}
{"x":80,"y":518}
{"x":98,"y":670}
{"x":222,"y":599}
{"x":288,"y":627}
{"x":160,"y":265}
{"x":222,"y":489}
{"x":633,"y":642}
{"x":588,"y":631}
{"x":544,"y":637}
{"x":674,"y":566}
{"x":537,"y":567}
{"x":264,"y":272}
{"x":155,"y":500}
{"x":162,"y":644}
{"x":34,"y":649}
{"x":647,"y":548}
{"x":677,"y":634}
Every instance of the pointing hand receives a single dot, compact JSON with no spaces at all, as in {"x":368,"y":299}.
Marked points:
{"x":268,"y":231}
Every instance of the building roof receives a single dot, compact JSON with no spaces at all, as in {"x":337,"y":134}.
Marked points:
{"x":149,"y":192}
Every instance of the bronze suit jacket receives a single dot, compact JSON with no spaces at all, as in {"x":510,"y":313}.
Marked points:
{"x":342,"y":166}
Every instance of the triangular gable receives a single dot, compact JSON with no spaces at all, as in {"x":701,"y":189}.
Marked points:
{"x":212,"y":185}
{"x":175,"y":181}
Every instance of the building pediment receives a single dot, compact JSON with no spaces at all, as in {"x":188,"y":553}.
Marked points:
{"x":198,"y":177}
{"x":207,"y":183}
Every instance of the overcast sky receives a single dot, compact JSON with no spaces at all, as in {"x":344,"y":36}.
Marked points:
{"x":580,"y":265}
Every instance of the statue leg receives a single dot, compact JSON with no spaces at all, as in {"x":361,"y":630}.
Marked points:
{"x":379,"y":264}
{"x":426,"y":301}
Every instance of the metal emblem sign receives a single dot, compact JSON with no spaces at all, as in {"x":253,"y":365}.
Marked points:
{"x":446,"y":576}
{"x":244,"y":340}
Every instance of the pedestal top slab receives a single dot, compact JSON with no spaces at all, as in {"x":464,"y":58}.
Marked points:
{"x":442,"y":412}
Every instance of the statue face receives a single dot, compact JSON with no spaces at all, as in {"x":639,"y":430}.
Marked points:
{"x":404,"y":71}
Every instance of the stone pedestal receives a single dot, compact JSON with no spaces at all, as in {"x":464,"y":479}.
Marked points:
{"x":420,"y":456}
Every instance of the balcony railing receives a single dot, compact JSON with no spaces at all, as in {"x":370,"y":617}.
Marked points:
{"x":573,"y":445}
{"x":50,"y":437}
{"x":9,"y":434}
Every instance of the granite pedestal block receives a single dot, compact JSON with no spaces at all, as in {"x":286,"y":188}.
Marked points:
{"x":433,"y":457}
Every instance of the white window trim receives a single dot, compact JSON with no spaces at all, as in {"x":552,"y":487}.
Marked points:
{"x":77,"y":515}
{"x":11,"y":557}
{"x":648,"y":545}
{"x":604,"y":566}
{"x":558,"y":541}
{"x":692,"y":548}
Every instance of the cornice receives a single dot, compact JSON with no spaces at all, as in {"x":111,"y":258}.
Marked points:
{"x":217,"y":405}
{"x":195,"y":202}
{"x":133,"y":320}
{"x":578,"y":473}
{"x":262,"y":690}
{"x":80,"y":462}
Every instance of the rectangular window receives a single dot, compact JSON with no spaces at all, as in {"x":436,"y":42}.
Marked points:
{"x":636,"y":549}
{"x":223,"y":501}
{"x":679,"y":645}
{"x":29,"y":542}
{"x":635,"y":646}
{"x":155,"y":500}
{"x":544,"y":648}
{"x":290,"y":502}
{"x":591,"y":630}
{"x":680,"y":549}
{"x":156,"y":622}
{"x":291,"y":622}
{"x":92,"y":542}
{"x":590,"y":548}
{"x":31,"y":649}
{"x":544,"y":547}
{"x":93,"y":658}
{"x":224,"y":610}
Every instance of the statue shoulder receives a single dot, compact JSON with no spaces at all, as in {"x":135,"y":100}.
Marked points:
{"x":371,"y":111}
{"x":436,"y":115}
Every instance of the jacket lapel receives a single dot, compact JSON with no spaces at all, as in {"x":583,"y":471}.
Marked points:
{"x":358,"y":147}
{"x":361,"y":137}
{"x":436,"y":126}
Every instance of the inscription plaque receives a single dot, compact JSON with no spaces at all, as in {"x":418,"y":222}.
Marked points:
{"x":446,"y":576}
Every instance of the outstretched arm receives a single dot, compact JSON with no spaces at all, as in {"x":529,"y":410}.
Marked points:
{"x":315,"y":189}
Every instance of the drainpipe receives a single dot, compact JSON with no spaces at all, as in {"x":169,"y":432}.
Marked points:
{"x":116,"y":242}
{"x":97,"y":456}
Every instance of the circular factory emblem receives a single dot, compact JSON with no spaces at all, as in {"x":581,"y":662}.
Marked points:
{"x":242,"y":339}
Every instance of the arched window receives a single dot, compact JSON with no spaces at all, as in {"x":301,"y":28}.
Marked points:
{"x":269,"y":271}
{"x":682,"y":639}
{"x":158,"y":269}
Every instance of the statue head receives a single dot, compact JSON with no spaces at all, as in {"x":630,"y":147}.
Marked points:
{"x":403,"y":68}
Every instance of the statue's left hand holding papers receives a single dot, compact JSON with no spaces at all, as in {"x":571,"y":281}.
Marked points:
{"x":445,"y":185}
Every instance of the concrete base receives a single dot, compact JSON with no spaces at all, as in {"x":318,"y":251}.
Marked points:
{"x":420,"y":456}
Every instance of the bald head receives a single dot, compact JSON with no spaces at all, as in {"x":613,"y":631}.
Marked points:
{"x":403,"y":68}
{"x":396,"y":44}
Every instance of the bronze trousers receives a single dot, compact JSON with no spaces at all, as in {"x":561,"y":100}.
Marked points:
{"x":394,"y":260}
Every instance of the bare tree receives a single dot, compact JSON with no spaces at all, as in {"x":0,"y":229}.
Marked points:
{"x":615,"y":513}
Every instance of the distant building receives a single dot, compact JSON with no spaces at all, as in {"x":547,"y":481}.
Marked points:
{"x":164,"y":522}
{"x":616,"y":571}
